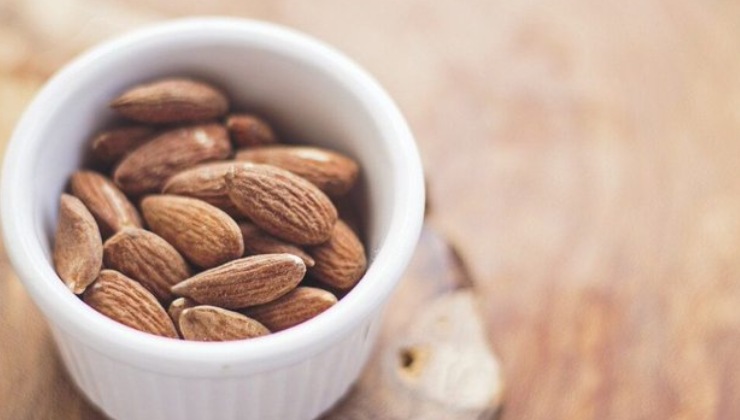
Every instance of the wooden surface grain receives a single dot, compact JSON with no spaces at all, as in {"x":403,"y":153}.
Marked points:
{"x":583,"y":155}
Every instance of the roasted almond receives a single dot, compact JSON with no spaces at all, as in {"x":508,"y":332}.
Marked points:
{"x":257,"y":241}
{"x":175,"y":310}
{"x":147,"y":168}
{"x":298,"y":306}
{"x":248,"y":130}
{"x":244,"y":282}
{"x":106,"y":202}
{"x":128,"y":302}
{"x":281,"y":203}
{"x":205,"y":182}
{"x":146,"y":258}
{"x":209,"y":323}
{"x":340,"y":261}
{"x":78,"y":247}
{"x":108,"y":147}
{"x":204,"y":234}
{"x":171,"y":101}
{"x":333,"y":173}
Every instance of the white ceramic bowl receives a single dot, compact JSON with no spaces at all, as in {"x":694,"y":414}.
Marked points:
{"x":305,"y":87}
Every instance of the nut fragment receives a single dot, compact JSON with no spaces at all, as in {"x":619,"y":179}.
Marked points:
{"x":109,"y":206}
{"x":147,"y":168}
{"x":175,"y":310}
{"x":257,"y":241}
{"x":300,"y":305}
{"x":126,"y":301}
{"x":249,"y":130}
{"x":78,"y":247}
{"x":147,"y":258}
{"x":205,"y":182}
{"x":171,"y":101}
{"x":340,"y":261}
{"x":209,"y":323}
{"x":244,"y":282}
{"x":205,"y":235}
{"x":334,"y":173}
{"x":281,"y":203}
{"x":109,"y":146}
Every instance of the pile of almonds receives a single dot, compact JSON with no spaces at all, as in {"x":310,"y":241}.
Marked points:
{"x":202,"y":212}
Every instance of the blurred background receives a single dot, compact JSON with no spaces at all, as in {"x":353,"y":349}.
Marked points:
{"x":583,"y":156}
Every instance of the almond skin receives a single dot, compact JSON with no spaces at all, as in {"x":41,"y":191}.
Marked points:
{"x":248,"y":130}
{"x":172,"y":101}
{"x":106,"y":202}
{"x":205,"y":182}
{"x":298,"y":306}
{"x":340,"y":261}
{"x":257,"y":241}
{"x":126,"y":301}
{"x":244,"y":282}
{"x":281,"y":203}
{"x":204,"y":234}
{"x":110,"y":146}
{"x":78,"y":247}
{"x":147,"y":168}
{"x":146,"y":258}
{"x":209,"y":323}
{"x":175,"y":310}
{"x":333,"y":173}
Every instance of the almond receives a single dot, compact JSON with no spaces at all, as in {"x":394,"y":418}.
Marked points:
{"x":244,"y":282}
{"x":249,"y":130}
{"x":257,"y":241}
{"x":333,"y":173}
{"x":340,"y":261}
{"x":147,"y":168}
{"x":281,"y":203}
{"x":111,"y":145}
{"x":78,"y":247}
{"x":300,"y":305}
{"x":209,"y":323}
{"x":147,"y":258}
{"x":126,"y":301}
{"x":175,"y":310}
{"x":106,"y":202}
{"x":172,"y":100}
{"x":205,"y":182}
{"x":204,"y":234}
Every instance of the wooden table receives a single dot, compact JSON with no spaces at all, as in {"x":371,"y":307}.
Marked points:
{"x":584,"y":157}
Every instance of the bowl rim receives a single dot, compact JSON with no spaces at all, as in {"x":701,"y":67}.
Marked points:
{"x":209,"y":359}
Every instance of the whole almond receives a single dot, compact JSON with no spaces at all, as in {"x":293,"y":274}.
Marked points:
{"x":204,"y":234}
{"x":209,"y":323}
{"x":109,"y":146}
{"x":147,"y":168}
{"x":106,"y":202}
{"x":340,"y":261}
{"x":257,"y":241}
{"x":205,"y":182}
{"x":175,"y":310}
{"x":146,"y":258}
{"x":333,"y":173}
{"x":300,"y":305}
{"x":78,"y":247}
{"x":244,"y":282}
{"x":126,"y":301}
{"x":170,"y":101}
{"x":281,"y":203}
{"x":249,"y":130}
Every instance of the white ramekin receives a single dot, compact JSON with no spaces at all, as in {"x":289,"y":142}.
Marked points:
{"x":315,"y":94}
